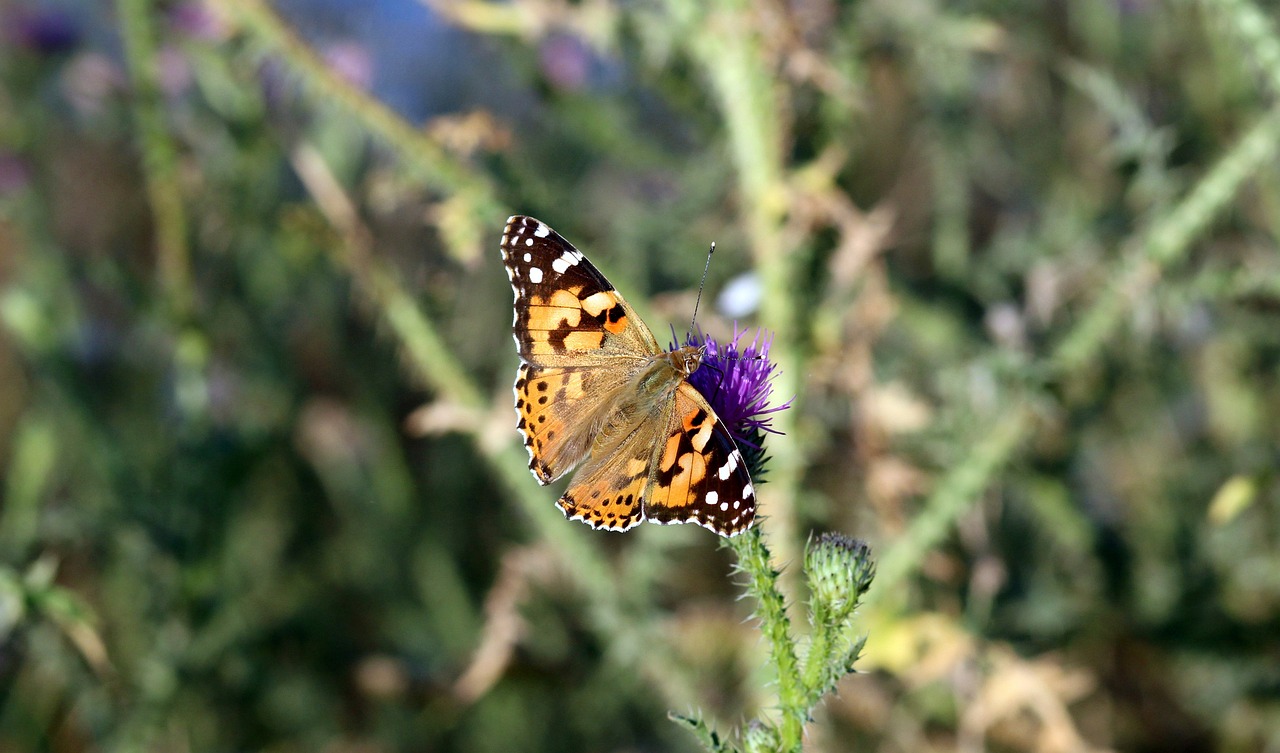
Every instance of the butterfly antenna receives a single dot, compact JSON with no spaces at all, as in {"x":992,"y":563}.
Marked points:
{"x":701,"y":284}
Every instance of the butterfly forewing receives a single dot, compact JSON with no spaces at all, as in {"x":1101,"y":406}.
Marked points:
{"x":578,"y":340}
{"x":566,"y":313}
{"x":594,"y":389}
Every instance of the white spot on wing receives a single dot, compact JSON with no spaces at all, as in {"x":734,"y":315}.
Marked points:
{"x":729,"y":466}
{"x":566,"y":260}
{"x":748,"y":491}
{"x":528,"y":241}
{"x":543,"y":231}
{"x":535,"y":274}
{"x":713,"y":497}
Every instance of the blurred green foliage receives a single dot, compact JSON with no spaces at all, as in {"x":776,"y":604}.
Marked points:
{"x":261,"y":485}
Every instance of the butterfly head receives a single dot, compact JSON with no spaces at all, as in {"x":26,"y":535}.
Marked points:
{"x":686,"y":359}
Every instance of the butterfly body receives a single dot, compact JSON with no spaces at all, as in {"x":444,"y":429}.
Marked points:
{"x":596,"y":393}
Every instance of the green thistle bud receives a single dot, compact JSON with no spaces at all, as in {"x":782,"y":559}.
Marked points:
{"x":839,"y":570}
{"x":760,"y":738}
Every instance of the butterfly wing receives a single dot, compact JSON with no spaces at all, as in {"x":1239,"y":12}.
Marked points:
{"x":698,"y":474}
{"x":579,"y":342}
{"x":608,"y":492}
{"x":567,"y":314}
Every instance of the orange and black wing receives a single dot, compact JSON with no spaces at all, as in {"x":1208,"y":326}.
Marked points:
{"x":698,"y":475}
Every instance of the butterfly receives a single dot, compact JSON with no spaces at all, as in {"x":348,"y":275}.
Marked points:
{"x":595,"y":392}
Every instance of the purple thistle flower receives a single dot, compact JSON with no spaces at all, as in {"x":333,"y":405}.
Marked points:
{"x":15,"y":173}
{"x":198,"y":20}
{"x":47,"y":31}
{"x":736,"y":380}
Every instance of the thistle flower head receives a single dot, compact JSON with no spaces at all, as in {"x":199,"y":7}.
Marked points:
{"x":735,"y":379}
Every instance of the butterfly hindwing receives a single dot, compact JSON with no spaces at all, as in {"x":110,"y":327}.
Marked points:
{"x":609,"y":492}
{"x":559,"y":410}
{"x":699,"y":476}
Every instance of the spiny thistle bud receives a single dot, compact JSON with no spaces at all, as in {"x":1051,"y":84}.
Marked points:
{"x":760,"y":738}
{"x":839,"y":570}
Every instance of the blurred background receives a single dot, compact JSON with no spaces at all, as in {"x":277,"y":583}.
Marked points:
{"x":261,"y":486}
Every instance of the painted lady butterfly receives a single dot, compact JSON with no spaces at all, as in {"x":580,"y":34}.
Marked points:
{"x":595,"y":390}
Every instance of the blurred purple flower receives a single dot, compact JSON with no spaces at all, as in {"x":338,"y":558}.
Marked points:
{"x":47,"y":31}
{"x":565,"y":61}
{"x":89,"y":80}
{"x":198,"y":21}
{"x":1134,"y":7}
{"x":175,"y":72}
{"x":15,"y":175}
{"x":273,"y":79}
{"x":736,"y":381}
{"x":352,"y":61}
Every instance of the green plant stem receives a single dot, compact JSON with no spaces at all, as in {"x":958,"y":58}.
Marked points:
{"x":1167,"y":241}
{"x":950,"y":187}
{"x":707,"y":738}
{"x":726,"y":44}
{"x":815,"y":661}
{"x":754,"y":561}
{"x":1261,"y":48}
{"x":29,"y":471}
{"x":159,"y":156}
{"x":956,"y":493}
